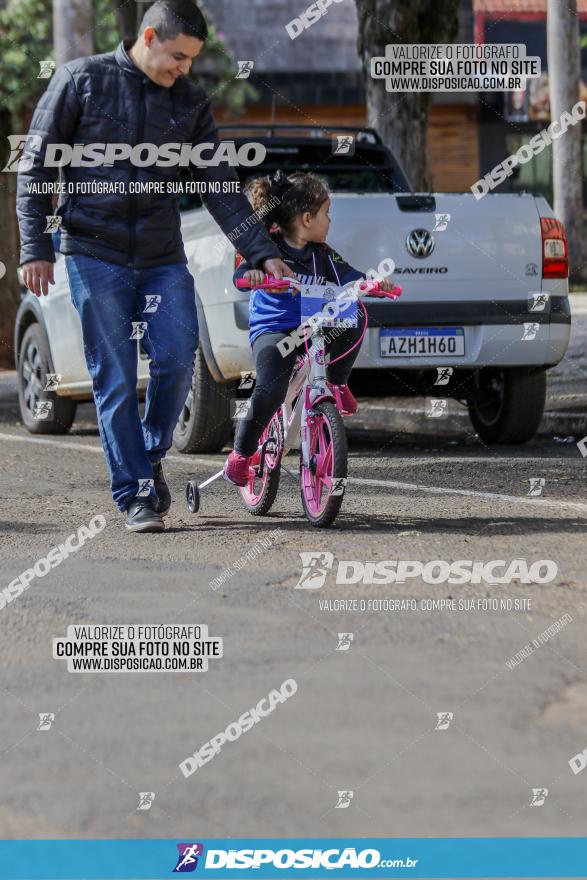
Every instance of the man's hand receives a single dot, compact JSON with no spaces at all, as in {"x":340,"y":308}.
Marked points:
{"x":254,"y":276}
{"x":37,"y":276}
{"x":278,"y":268}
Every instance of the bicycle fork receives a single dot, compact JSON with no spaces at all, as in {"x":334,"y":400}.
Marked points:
{"x":316,"y":389}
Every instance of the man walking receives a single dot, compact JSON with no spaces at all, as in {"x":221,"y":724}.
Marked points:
{"x":122,"y":242}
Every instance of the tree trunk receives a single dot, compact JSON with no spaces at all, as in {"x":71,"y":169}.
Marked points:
{"x":126,"y":13}
{"x":9,"y":286}
{"x":564,"y":75}
{"x":72,"y":30}
{"x":402,"y":118}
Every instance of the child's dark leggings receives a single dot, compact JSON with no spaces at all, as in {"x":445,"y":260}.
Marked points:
{"x":274,"y":372}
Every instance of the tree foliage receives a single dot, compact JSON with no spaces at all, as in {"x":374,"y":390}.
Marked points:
{"x":26,"y":31}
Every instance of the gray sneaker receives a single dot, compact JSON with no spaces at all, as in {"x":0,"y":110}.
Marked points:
{"x":141,"y":515}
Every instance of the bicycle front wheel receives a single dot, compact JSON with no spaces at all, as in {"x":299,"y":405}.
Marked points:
{"x":323,"y":483}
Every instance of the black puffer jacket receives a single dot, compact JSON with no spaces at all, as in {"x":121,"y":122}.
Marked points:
{"x":108,"y":99}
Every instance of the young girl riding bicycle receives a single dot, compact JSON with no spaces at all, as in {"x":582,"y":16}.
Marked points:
{"x":300,"y":216}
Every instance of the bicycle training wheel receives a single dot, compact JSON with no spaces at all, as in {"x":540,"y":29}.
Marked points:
{"x":322,"y":484}
{"x":261,"y":491}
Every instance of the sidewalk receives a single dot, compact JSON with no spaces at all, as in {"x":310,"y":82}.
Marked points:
{"x":566,"y":404}
{"x":565,"y":416}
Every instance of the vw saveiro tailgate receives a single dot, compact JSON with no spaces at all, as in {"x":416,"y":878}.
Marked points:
{"x":489,"y":249}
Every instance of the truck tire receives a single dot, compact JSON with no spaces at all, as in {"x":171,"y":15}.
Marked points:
{"x":33,"y":366}
{"x":204,"y":424}
{"x":508,"y":404}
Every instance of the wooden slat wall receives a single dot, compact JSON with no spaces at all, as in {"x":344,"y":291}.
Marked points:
{"x":453,"y":139}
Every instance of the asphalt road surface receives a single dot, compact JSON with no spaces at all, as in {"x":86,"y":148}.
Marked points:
{"x":373,"y":717}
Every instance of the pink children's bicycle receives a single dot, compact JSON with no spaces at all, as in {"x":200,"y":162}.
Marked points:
{"x":310,"y":418}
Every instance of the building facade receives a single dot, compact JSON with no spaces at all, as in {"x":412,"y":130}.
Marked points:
{"x":316,"y":78}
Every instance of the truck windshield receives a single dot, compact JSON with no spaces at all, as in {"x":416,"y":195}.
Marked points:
{"x":371,"y":169}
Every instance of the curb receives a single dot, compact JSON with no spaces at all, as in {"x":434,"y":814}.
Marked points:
{"x":390,"y":419}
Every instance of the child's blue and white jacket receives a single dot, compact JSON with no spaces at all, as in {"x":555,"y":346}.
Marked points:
{"x":316,"y":263}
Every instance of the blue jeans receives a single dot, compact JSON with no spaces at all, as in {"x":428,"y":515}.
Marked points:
{"x":108,"y":299}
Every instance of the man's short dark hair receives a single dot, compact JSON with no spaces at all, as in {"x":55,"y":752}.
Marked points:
{"x":170,"y":18}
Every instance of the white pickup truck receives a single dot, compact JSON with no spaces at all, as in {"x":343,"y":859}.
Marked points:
{"x":485,"y":293}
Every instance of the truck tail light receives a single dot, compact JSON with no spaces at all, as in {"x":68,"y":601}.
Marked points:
{"x":555,"y":258}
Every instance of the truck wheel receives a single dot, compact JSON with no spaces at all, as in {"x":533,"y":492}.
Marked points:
{"x":42,"y":412}
{"x":204,"y":424}
{"x":507,"y":404}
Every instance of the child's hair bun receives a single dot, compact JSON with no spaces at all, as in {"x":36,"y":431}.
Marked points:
{"x":278,"y":183}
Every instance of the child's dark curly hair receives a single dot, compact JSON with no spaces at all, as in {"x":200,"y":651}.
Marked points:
{"x":281,"y":204}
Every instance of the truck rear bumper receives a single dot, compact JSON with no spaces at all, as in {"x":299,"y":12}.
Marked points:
{"x":501,"y":333}
{"x":493,"y":345}
{"x":383,"y":313}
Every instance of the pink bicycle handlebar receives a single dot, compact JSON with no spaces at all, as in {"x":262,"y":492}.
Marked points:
{"x":369,"y":288}
{"x":373,"y":288}
{"x":269,"y":282}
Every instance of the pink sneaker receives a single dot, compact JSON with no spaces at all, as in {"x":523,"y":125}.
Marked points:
{"x":345,"y":397}
{"x":236,"y":469}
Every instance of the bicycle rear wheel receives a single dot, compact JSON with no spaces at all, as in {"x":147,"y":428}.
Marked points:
{"x":322,"y":484}
{"x":261,"y":491}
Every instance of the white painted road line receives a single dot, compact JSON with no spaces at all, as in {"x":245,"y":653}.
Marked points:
{"x":488,"y":496}
{"x":87,"y":447}
{"x":385,"y":484}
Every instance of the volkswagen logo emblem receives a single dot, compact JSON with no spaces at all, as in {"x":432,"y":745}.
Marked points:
{"x":420,"y":243}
